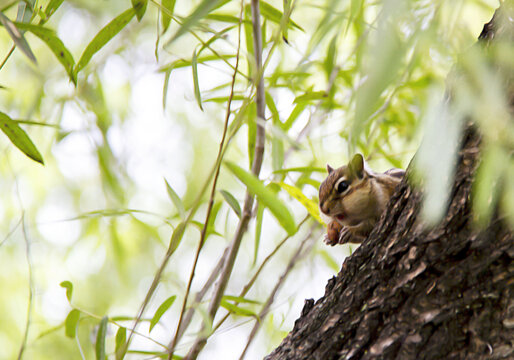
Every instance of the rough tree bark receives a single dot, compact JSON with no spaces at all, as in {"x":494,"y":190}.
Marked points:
{"x":414,"y":293}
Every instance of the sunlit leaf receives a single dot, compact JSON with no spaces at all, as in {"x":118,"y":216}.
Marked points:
{"x":176,"y":237}
{"x":19,"y":138}
{"x":161,"y":310}
{"x":100,"y":339}
{"x":121,"y":338}
{"x":140,"y":8}
{"x":231,"y":200}
{"x":237,"y":310}
{"x":194,"y":67}
{"x":176,"y":200}
{"x":70,"y":324}
{"x":275,"y":15}
{"x":55,"y":44}
{"x":258,"y":231}
{"x":17,"y":37}
{"x":266,"y":196}
{"x":103,"y":37}
{"x":240,"y":299}
{"x":166,"y":15}
{"x":50,"y":9}
{"x":69,"y":289}
{"x":205,"y":7}
{"x":310,"y":205}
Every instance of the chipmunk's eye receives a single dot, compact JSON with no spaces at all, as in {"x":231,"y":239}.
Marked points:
{"x":342,"y":186}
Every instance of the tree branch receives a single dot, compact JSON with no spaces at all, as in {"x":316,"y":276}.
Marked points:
{"x":256,"y":168}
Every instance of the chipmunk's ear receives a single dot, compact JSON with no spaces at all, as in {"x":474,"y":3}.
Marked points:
{"x":356,"y":166}
{"x":329,"y":169}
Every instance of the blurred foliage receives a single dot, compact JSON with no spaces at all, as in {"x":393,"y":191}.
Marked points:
{"x":124,"y":103}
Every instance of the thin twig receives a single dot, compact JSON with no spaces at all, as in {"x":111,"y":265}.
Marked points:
{"x":265,"y":309}
{"x":256,"y":168}
{"x":200,"y":294}
{"x":31,"y":286}
{"x":250,"y":283}
{"x":213,"y":191}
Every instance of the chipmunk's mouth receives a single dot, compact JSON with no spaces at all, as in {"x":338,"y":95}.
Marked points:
{"x":340,"y":217}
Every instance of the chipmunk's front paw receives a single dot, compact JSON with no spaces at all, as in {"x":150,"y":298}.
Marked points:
{"x":333,"y":230}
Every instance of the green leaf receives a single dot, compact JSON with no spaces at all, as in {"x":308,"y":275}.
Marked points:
{"x":240,"y":299}
{"x":236,"y":310}
{"x":169,"y":6}
{"x":139,"y":7}
{"x":103,"y":37}
{"x":194,"y":67}
{"x":205,"y":7}
{"x":176,"y":237}
{"x":69,"y":289}
{"x":121,"y":338}
{"x":161,"y":310}
{"x":52,"y":6}
{"x":303,"y":169}
{"x":265,"y":196}
{"x":55,"y":44}
{"x":176,"y":200}
{"x":17,"y":37}
{"x":310,"y":205}
{"x":70,"y":324}
{"x":19,"y":138}
{"x":100,"y":339}
{"x":258,"y":230}
{"x":275,"y":15}
{"x":231,"y":200}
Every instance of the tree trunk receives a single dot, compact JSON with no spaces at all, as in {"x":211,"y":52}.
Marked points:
{"x":414,"y":293}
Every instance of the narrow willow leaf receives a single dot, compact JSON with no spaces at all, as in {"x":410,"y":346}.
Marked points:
{"x":55,"y":44}
{"x":176,"y":200}
{"x":231,"y":200}
{"x":298,"y":109}
{"x":169,"y":6}
{"x":310,"y":205}
{"x":309,"y":96}
{"x":240,"y":299}
{"x":167,"y":76}
{"x":19,"y":138}
{"x":205,"y":7}
{"x":237,"y":310}
{"x":103,"y":37}
{"x":275,"y":15}
{"x":140,"y":8}
{"x":258,"y":230}
{"x":100,"y":339}
{"x":17,"y":37}
{"x":161,"y":310}
{"x":121,"y":338}
{"x":270,"y":103}
{"x":266,"y":196}
{"x":70,"y":324}
{"x":194,"y":67}
{"x":50,"y":9}
{"x":69,"y":289}
{"x":329,"y":260}
{"x":304,"y":169}
{"x":176,"y":237}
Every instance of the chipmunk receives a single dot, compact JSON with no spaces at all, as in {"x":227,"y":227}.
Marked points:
{"x":352,"y":198}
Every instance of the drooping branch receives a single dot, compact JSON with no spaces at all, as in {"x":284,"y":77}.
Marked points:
{"x":248,"y":203}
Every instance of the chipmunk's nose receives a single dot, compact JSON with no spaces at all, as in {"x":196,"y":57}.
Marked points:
{"x":323,"y":206}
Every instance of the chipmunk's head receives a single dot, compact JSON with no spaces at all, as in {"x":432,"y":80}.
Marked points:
{"x":344,"y":195}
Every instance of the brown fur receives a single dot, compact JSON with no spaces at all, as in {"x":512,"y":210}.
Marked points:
{"x":360,"y":206}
